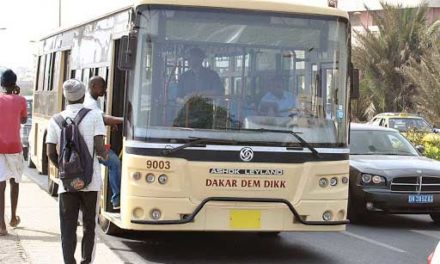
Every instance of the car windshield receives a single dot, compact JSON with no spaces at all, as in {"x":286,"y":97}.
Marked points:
{"x":404,"y":124}
{"x":379,"y":142}
{"x":209,"y":73}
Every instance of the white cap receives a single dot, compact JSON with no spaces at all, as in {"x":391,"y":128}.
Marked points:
{"x":73,"y":90}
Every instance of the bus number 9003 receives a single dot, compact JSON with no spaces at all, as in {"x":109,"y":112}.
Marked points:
{"x":162,"y":165}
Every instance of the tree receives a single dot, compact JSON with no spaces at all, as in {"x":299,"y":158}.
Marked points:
{"x":426,"y":74}
{"x":381,"y":55}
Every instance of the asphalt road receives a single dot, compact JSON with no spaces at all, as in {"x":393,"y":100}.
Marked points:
{"x":402,"y":239}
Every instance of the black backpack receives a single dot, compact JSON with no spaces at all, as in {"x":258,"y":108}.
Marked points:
{"x":75,"y":164}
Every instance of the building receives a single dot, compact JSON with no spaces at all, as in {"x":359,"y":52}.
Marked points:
{"x":360,"y":17}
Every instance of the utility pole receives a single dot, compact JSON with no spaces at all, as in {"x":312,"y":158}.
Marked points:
{"x":59,"y":13}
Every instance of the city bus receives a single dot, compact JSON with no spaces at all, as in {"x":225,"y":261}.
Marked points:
{"x":214,"y":161}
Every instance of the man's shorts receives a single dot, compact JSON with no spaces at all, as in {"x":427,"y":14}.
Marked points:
{"x":11,"y":166}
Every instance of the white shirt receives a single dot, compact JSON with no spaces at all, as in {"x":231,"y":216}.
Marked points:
{"x":91,"y":103}
{"x":285,"y":103}
{"x":92,"y":125}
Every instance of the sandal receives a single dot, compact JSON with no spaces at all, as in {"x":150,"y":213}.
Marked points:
{"x":3,"y":232}
{"x":16,"y":222}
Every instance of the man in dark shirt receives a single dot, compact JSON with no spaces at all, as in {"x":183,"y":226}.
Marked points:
{"x":198,"y":80}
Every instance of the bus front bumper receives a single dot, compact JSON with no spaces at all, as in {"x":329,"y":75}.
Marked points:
{"x":234,"y":214}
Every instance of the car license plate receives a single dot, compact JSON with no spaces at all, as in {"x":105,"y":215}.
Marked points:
{"x":420,"y":198}
{"x":245,"y":219}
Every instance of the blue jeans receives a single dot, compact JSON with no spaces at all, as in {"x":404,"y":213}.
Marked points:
{"x":114,"y":171}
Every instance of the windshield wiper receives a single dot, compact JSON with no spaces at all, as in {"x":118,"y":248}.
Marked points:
{"x":194,"y":141}
{"x":293,"y":133}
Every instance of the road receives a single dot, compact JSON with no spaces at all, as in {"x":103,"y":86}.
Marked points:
{"x":403,"y":239}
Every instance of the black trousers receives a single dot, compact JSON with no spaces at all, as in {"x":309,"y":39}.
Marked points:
{"x":70,"y":203}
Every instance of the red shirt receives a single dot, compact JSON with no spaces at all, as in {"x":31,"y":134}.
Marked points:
{"x":12,"y":110}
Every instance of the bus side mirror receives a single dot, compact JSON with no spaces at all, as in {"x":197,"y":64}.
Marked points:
{"x":354,"y":84}
{"x":127,"y":52}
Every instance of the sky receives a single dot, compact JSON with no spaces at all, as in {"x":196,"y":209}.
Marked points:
{"x":26,"y":21}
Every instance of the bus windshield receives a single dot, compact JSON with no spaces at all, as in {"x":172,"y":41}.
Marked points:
{"x":235,"y":75}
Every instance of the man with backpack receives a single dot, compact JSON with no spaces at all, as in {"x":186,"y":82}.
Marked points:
{"x":78,"y":134}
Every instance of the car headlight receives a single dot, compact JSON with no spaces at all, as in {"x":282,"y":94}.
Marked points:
{"x":366,"y":178}
{"x":372,"y":180}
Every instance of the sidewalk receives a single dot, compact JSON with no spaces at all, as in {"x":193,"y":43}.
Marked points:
{"x":37,"y":239}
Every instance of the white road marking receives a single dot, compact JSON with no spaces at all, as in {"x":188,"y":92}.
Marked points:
{"x":372,"y":241}
{"x":430,"y":233}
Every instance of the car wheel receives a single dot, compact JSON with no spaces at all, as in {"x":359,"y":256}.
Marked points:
{"x":435,"y":217}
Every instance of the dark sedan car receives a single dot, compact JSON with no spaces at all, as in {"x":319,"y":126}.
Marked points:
{"x":388,"y":174}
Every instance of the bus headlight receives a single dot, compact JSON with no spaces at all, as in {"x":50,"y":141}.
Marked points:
{"x":136,"y":175}
{"x":323,"y":182}
{"x":344,"y":180}
{"x":162,"y":179}
{"x":327,"y":216}
{"x":155,"y":214}
{"x":333,"y":181}
{"x":150,"y":178}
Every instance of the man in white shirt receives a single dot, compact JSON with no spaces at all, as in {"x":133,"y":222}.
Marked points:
{"x":97,"y":88}
{"x":92,"y":130}
{"x":277,"y":102}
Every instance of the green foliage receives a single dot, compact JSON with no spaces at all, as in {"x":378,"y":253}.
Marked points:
{"x":430,"y":141}
{"x":426,"y":73}
{"x":380,"y":56}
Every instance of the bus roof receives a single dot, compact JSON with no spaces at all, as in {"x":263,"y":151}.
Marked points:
{"x":285,"y":6}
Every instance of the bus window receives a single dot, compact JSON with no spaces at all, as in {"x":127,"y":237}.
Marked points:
{"x":49,"y":69}
{"x":40,"y":76}
{"x":56,"y":70}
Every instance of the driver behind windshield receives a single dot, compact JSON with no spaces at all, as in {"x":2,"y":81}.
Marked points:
{"x":198,"y":80}
{"x":277,"y":101}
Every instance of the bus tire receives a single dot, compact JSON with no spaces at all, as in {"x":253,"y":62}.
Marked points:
{"x":356,"y":210}
{"x":52,"y":186}
{"x":29,"y":162}
{"x":108,"y":227}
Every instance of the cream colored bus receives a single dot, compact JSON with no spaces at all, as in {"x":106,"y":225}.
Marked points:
{"x":193,"y":159}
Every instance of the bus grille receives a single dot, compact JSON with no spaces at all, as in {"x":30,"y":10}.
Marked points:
{"x":421,"y":184}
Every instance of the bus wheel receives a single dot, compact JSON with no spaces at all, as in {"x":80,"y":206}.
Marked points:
{"x":52,"y":186}
{"x":108,"y":227}
{"x":356,"y":210}
{"x":29,"y":162}
{"x":25,"y":153}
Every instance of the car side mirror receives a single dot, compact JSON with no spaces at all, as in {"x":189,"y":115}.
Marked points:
{"x":420,"y":149}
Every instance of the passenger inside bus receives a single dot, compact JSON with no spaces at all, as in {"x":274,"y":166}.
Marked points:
{"x":98,"y":88}
{"x":277,"y":101}
{"x":198,"y":80}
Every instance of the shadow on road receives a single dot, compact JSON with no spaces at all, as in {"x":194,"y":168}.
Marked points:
{"x":387,"y":221}
{"x":215,"y":247}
